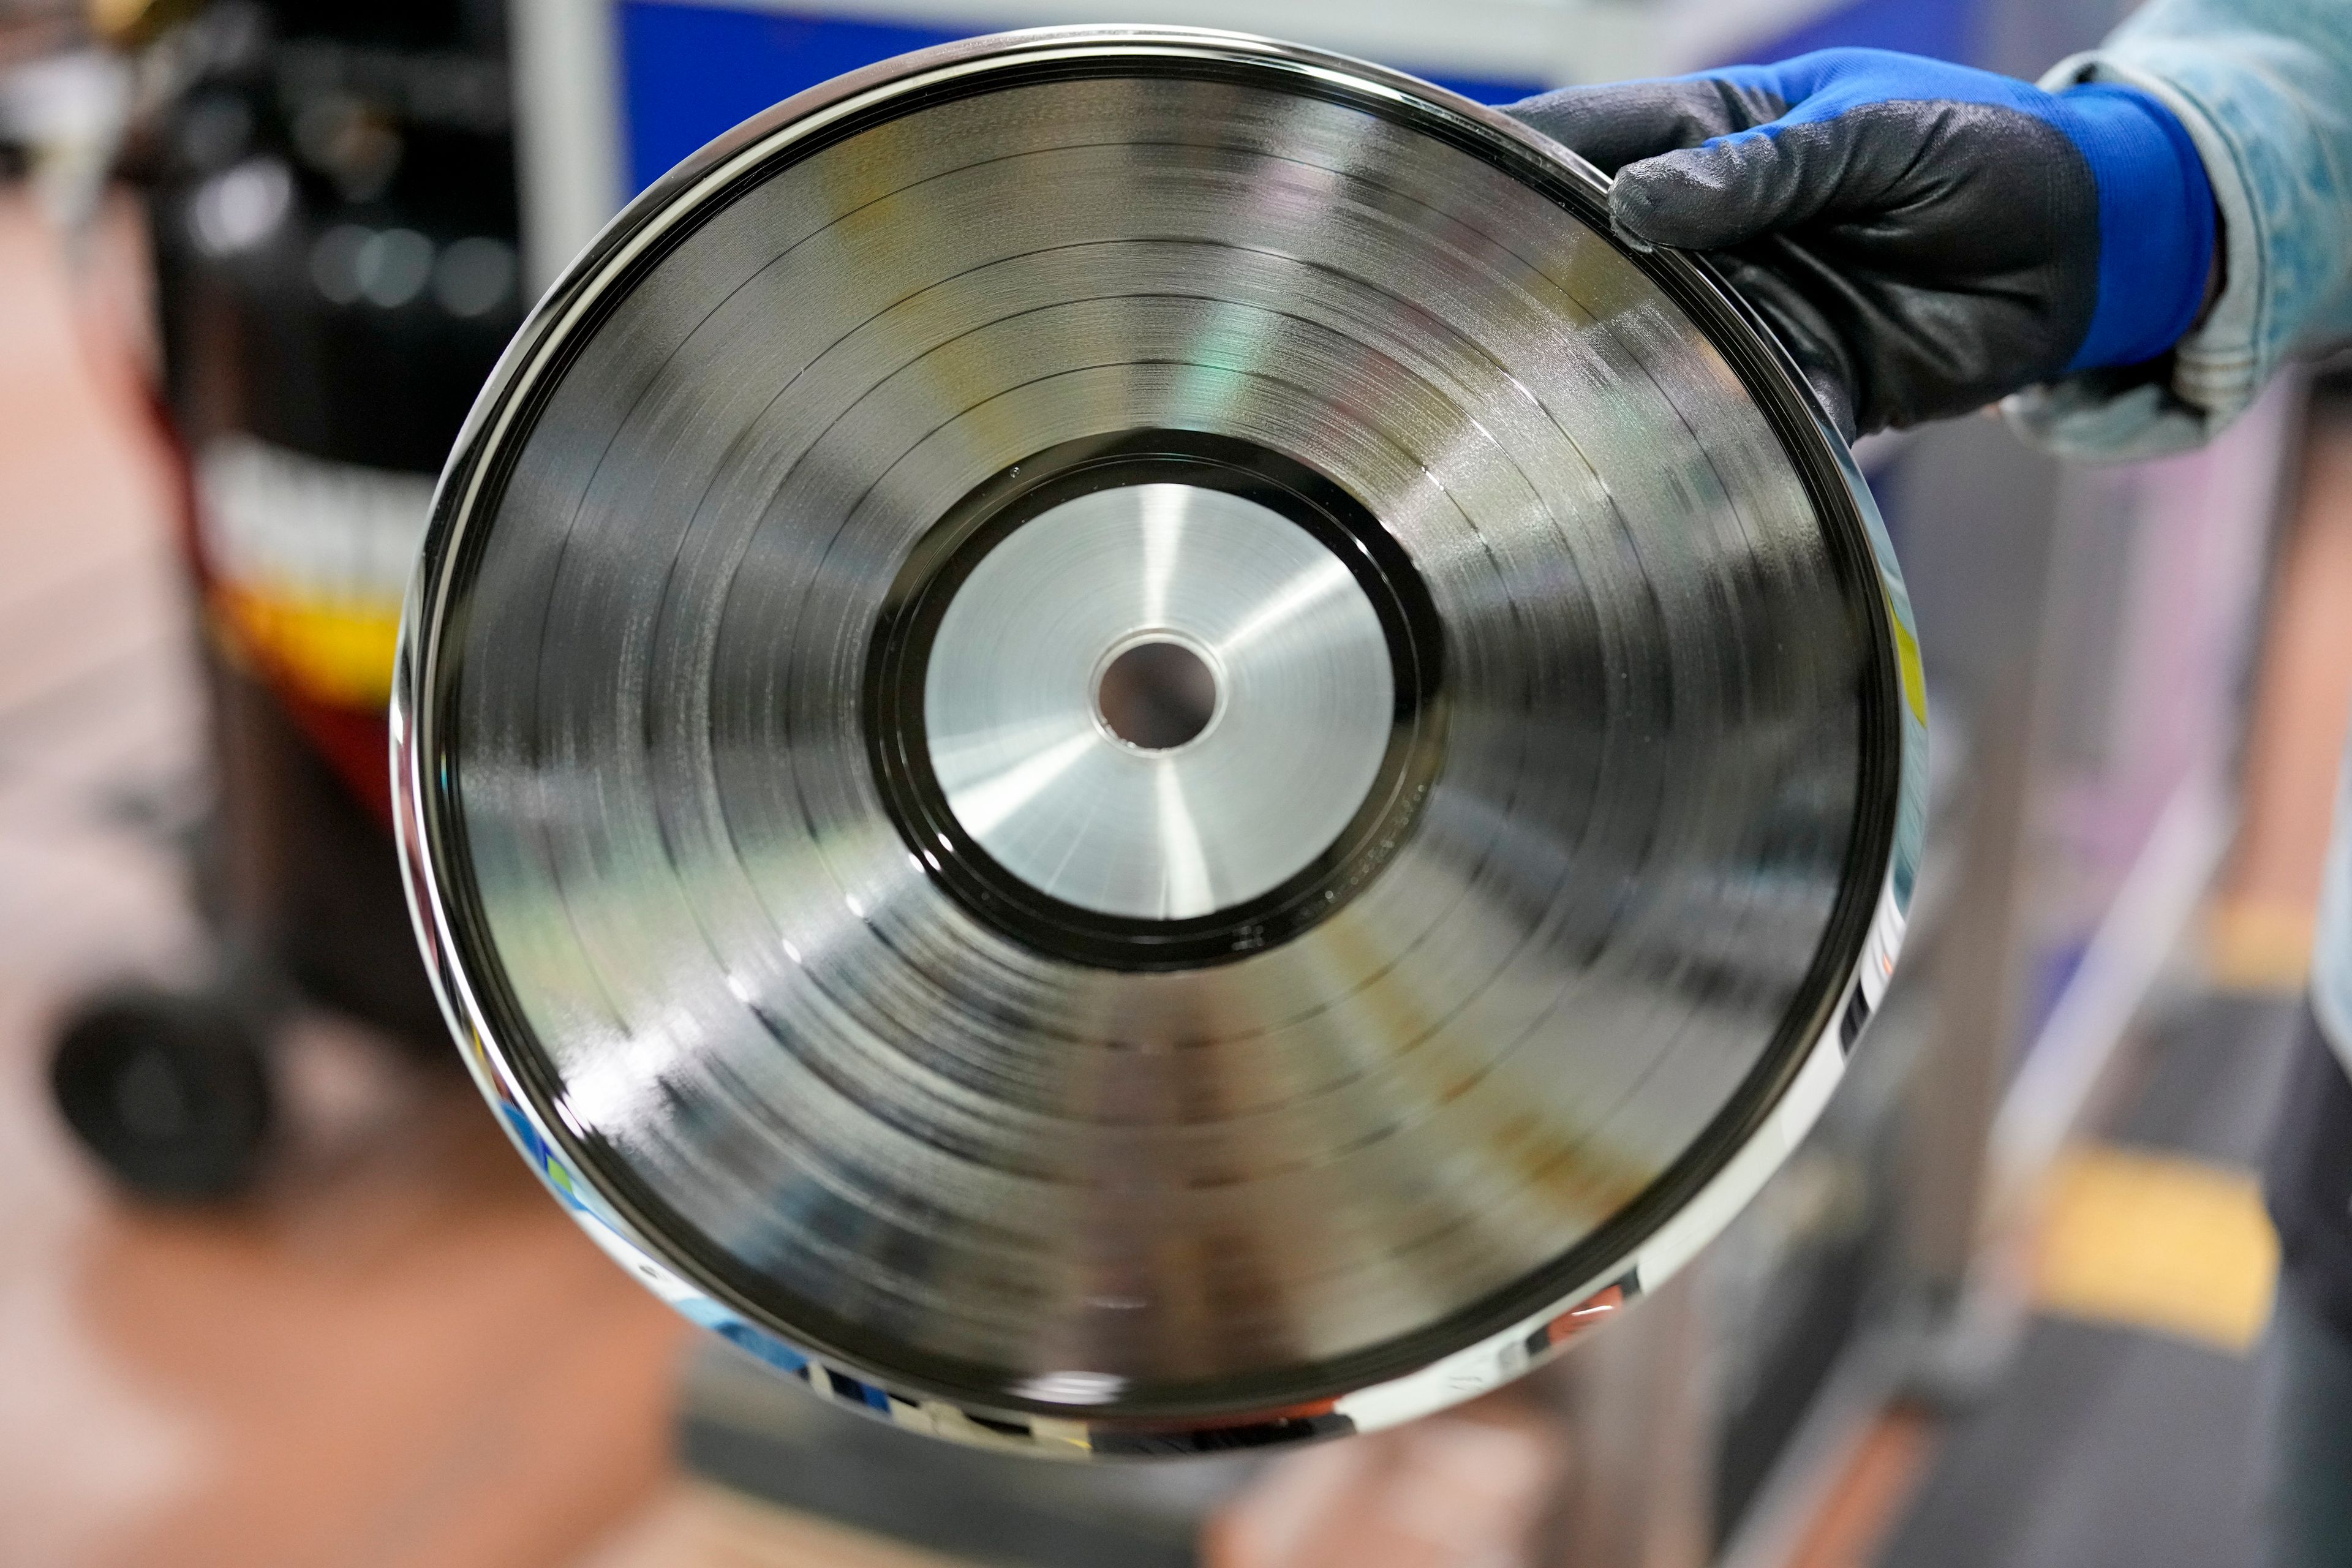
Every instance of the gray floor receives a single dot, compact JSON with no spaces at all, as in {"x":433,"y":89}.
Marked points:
{"x":2107,"y":1449}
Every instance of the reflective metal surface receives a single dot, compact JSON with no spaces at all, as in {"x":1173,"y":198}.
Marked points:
{"x":1269,"y":626}
{"x":820,"y":938}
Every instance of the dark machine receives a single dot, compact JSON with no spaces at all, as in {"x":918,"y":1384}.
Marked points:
{"x":330,"y":194}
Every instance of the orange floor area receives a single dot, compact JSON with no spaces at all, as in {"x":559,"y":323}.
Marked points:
{"x":400,"y":1353}
{"x":2263,"y":912}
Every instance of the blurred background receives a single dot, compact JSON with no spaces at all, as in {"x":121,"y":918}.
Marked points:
{"x":274,"y":1290}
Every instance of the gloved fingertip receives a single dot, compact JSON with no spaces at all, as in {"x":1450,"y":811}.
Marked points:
{"x":1703,"y":198}
{"x":1838,"y":404}
{"x":1632,"y":208}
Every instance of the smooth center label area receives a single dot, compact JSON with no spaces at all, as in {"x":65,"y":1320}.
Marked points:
{"x":1158,"y":701}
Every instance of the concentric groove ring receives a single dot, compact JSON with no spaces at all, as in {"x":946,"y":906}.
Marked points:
{"x":1340,"y":863}
{"x":1007,"y":1169}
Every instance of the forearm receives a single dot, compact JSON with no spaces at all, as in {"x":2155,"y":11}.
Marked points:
{"x":2265,"y":87}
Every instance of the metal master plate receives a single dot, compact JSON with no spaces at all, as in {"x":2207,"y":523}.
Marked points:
{"x":1519,"y":837}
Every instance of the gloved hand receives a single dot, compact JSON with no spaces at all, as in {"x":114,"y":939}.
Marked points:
{"x":1923,"y":237}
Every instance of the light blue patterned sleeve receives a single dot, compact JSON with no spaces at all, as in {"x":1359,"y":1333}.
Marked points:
{"x":2265,"y":87}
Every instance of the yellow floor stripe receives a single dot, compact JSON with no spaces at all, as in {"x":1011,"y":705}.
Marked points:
{"x":2258,"y":945}
{"x":2156,"y":1242}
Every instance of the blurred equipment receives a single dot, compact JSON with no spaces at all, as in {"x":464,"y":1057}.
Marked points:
{"x":332,"y":199}
{"x":1112,"y":739}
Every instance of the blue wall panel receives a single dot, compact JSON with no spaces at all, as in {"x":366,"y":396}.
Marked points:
{"x":689,"y":72}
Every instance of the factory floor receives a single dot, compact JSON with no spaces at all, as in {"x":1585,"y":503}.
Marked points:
{"x":2123,"y":1432}
{"x":2122,"y":1435}
{"x":400,"y":1355}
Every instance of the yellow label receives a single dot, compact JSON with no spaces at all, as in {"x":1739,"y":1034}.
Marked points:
{"x":338,"y":654}
{"x":2158,"y":1242}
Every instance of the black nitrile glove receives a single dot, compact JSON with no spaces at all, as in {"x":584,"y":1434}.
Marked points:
{"x":1923,"y":237}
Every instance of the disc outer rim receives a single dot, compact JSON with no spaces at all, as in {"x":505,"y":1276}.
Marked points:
{"x":1800,"y":1080}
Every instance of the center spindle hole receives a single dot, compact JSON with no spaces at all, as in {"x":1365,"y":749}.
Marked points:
{"x":1157,"y":695}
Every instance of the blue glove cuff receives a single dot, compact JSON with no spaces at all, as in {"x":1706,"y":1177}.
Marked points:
{"x":2156,"y":222}
{"x":2156,"y":205}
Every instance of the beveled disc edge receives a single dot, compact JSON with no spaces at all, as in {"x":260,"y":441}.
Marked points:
{"x":1805,"y":1077}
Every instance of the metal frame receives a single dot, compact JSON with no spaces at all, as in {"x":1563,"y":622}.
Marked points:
{"x":1719,"y":1183}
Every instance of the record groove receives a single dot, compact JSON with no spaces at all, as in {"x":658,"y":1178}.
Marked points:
{"x":1471,"y":956}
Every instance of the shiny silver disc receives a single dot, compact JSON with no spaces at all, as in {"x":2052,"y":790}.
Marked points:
{"x":1112,"y":739}
{"x":1158,"y":700}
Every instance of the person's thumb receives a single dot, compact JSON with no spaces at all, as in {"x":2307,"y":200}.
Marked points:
{"x":1621,"y":123}
{"x":1732,"y":190}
